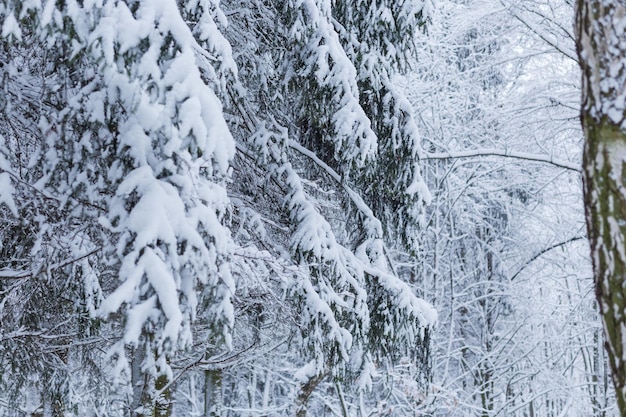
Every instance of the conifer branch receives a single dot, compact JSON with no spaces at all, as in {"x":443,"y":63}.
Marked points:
{"x":15,"y":275}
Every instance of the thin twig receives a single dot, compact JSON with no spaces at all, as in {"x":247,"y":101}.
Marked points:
{"x":9,"y":274}
{"x":477,"y":153}
{"x":544,"y":251}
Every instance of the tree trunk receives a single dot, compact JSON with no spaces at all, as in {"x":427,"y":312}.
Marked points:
{"x":213,"y":393}
{"x":305,"y":392}
{"x":163,"y":404}
{"x":601,"y":42}
{"x":605,"y":201}
{"x":151,"y":396}
{"x":137,"y":381}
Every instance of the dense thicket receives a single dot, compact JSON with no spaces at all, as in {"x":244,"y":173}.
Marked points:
{"x":224,"y":208}
{"x":198,"y":204}
{"x":505,"y":259}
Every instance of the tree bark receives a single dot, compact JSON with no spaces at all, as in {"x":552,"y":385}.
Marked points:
{"x":213,"y":393}
{"x":152,"y":397}
{"x":138,"y":381}
{"x":305,"y":392}
{"x":163,"y":404}
{"x":601,"y":44}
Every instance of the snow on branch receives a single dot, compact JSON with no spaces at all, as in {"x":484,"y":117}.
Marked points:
{"x":354,"y":196}
{"x":15,"y":274}
{"x":477,"y":153}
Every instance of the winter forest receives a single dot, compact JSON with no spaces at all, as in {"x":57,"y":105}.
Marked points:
{"x":310,"y":208}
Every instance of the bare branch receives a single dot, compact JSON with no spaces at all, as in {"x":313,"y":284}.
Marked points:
{"x":544,"y":251}
{"x":477,"y":153}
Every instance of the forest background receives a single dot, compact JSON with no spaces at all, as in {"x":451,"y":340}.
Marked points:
{"x":249,"y":208}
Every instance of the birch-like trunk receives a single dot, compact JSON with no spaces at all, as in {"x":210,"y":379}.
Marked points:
{"x":601,"y":42}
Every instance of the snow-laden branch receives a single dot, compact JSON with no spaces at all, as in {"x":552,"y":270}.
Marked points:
{"x":17,"y":274}
{"x":538,"y":29}
{"x":418,"y":307}
{"x":46,"y":194}
{"x":42,"y":333}
{"x":477,"y":153}
{"x":354,"y":196}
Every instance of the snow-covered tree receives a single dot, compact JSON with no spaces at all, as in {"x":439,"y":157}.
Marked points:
{"x":305,"y":129}
{"x":601,"y":41}
{"x":503,"y":253}
{"x":182,"y":177}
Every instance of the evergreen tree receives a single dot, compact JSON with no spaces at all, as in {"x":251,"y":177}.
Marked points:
{"x":180,"y":176}
{"x":315,"y":128}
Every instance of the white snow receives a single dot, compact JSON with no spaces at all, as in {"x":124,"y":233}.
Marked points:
{"x":6,"y":192}
{"x":11,"y":27}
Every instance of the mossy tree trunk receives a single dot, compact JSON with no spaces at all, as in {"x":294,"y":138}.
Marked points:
{"x":163,"y":405}
{"x":601,"y":42}
{"x":152,"y":395}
